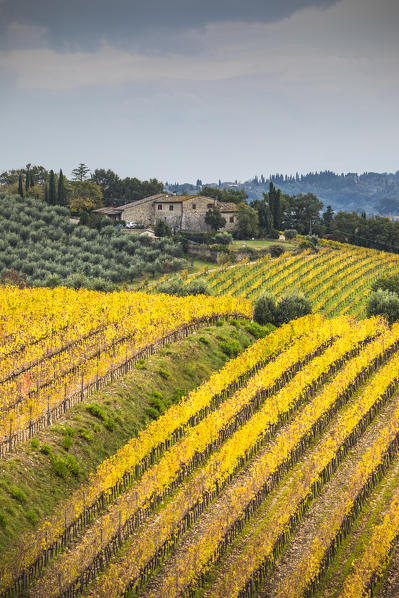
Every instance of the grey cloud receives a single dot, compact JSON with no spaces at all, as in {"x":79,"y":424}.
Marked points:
{"x":131,"y":23}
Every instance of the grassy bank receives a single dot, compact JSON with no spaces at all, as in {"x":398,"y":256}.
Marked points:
{"x":42,"y":473}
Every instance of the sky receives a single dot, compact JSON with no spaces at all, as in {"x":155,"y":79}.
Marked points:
{"x":210,"y":89}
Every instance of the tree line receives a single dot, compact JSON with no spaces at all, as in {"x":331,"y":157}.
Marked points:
{"x":84,"y":191}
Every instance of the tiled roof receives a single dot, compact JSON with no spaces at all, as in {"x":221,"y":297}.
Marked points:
{"x":226,"y":206}
{"x":108,"y":210}
{"x":169,"y":198}
{"x":140,"y":202}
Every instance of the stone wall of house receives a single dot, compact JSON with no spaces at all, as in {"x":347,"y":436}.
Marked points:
{"x":169,"y":212}
{"x":194,"y":211}
{"x":142,"y":213}
{"x":231,"y":221}
{"x":185,"y":215}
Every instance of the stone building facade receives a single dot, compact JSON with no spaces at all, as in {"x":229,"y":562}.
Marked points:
{"x":180,"y":212}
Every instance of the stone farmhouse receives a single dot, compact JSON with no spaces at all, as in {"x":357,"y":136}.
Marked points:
{"x":181,"y":212}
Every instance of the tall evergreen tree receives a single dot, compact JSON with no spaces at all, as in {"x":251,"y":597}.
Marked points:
{"x":46,"y":193}
{"x":20,"y":185}
{"x":277,"y":210}
{"x":27,"y":178}
{"x":328,"y":217}
{"x":52,"y":197}
{"x":61,"y":189}
{"x":31,"y":180}
{"x":81,"y":172}
{"x":275,"y":205}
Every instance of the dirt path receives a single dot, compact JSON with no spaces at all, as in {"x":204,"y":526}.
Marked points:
{"x":318,"y":513}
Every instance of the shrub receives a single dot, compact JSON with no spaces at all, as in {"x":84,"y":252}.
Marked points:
{"x":152,"y":413}
{"x":196,"y":287}
{"x":18,"y":494}
{"x":165,"y":375}
{"x":52,"y":281}
{"x":223,"y":238}
{"x":46,"y":449}
{"x":177,"y":394}
{"x":387,"y":283}
{"x":85,"y":434}
{"x":96,"y":411}
{"x":383,"y":303}
{"x":290,"y":233}
{"x":292,"y":306}
{"x":31,"y":516}
{"x":157,"y":404}
{"x":109,"y":424}
{"x":66,"y":442}
{"x":203,"y":340}
{"x":274,"y":234}
{"x":231,"y":348}
{"x":3,"y":521}
{"x":314,"y":239}
{"x":172,"y":286}
{"x":34,"y":443}
{"x":162,"y":229}
{"x":72,"y":465}
{"x":307,"y":245}
{"x":59,"y":467}
{"x":265,"y":309}
{"x":276,"y":250}
{"x":259,"y":331}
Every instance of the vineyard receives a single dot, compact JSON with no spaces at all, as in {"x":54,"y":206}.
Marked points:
{"x":58,"y":346}
{"x":257,"y":482}
{"x":337,"y":279}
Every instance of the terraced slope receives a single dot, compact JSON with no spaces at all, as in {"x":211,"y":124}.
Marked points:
{"x":336,"y":279}
{"x":251,"y":486}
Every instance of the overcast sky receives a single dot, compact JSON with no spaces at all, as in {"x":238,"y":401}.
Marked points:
{"x":187,"y":89}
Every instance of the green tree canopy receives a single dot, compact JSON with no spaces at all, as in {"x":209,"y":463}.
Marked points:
{"x":81,"y":172}
{"x":86,"y":196}
{"x":214,"y":219}
{"x":265,"y":218}
{"x":247,"y":221}
{"x":265,"y":309}
{"x":52,"y":195}
{"x":383,"y":303}
{"x":228,"y":195}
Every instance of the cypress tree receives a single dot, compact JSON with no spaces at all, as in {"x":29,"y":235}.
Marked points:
{"x":20,"y":185}
{"x":52,"y":198}
{"x":275,"y":205}
{"x":271,"y":199}
{"x":32,"y":180}
{"x":27,"y":178}
{"x":277,"y":210}
{"x":61,"y":190}
{"x":46,"y":193}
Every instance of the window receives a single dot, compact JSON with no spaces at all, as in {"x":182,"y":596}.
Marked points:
{"x":171,"y":208}
{"x":210,"y":205}
{"x":194,"y":206}
{"x":159,"y":206}
{"x":231,"y":218}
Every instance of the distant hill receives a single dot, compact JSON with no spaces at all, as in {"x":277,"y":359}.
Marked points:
{"x":350,"y":192}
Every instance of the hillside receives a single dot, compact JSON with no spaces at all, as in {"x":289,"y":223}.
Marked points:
{"x":43,"y":243}
{"x":151,"y":447}
{"x":337,"y":278}
{"x":230,"y":493}
{"x":348,"y":192}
